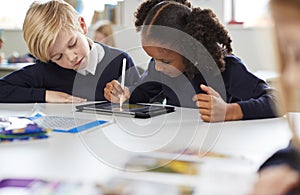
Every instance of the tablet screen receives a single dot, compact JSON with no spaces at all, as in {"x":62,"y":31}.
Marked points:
{"x":125,"y":107}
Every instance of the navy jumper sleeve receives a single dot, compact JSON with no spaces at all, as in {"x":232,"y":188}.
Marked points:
{"x":255,"y":97}
{"x":30,"y":83}
{"x":288,"y":156}
{"x":149,"y":88}
{"x":24,"y":85}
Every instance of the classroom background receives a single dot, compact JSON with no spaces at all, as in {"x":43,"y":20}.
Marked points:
{"x":247,"y":22}
{"x":78,"y":161}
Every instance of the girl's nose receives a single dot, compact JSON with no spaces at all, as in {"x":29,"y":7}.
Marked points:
{"x":159,"y":67}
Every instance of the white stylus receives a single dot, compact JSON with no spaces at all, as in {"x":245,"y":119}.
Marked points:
{"x":123,"y":81}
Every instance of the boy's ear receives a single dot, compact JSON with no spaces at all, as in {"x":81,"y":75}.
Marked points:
{"x":83,"y":25}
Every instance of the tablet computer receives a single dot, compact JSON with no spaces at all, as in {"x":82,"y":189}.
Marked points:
{"x":130,"y":110}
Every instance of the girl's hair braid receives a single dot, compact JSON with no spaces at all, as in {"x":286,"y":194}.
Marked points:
{"x":143,"y":10}
{"x":204,"y":26}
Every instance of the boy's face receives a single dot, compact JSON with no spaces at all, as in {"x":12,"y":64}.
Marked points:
{"x":71,"y":49}
{"x":167,"y":61}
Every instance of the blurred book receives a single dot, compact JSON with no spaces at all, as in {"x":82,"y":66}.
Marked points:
{"x":13,"y":186}
{"x":109,"y":13}
{"x":128,"y":186}
{"x":195,"y":155}
{"x":20,"y":129}
{"x":114,"y":186}
{"x":67,"y":124}
{"x":162,"y":165}
{"x":119,"y":13}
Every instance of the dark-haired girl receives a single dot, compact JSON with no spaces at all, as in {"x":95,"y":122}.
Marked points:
{"x":193,"y":65}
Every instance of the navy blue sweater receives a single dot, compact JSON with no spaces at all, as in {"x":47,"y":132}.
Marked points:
{"x":30,"y":83}
{"x":289,"y":156}
{"x":236,"y":85}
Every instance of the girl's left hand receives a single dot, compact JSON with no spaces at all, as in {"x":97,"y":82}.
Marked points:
{"x":213,"y":108}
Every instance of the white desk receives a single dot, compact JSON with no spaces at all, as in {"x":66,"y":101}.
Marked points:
{"x":97,"y":154}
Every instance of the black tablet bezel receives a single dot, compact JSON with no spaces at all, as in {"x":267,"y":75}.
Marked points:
{"x":159,"y":110}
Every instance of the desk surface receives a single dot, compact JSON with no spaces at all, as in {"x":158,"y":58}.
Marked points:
{"x":101,"y":152}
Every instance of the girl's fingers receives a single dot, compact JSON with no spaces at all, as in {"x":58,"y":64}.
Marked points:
{"x":205,"y":112}
{"x":201,"y":97}
{"x":209,"y":90}
{"x":204,"y":105}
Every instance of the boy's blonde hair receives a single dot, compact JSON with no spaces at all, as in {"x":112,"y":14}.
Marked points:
{"x":42,"y":24}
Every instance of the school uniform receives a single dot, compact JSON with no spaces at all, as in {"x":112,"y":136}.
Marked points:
{"x":30,"y":83}
{"x":236,"y":85}
{"x":289,"y":156}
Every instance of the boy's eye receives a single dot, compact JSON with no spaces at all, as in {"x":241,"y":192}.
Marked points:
{"x":57,"y":57}
{"x":74,"y":43}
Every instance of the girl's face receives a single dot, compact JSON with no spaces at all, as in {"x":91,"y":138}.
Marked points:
{"x":287,"y":21}
{"x":71,"y":48}
{"x":167,"y":61}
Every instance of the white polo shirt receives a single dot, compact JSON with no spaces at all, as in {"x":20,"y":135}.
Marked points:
{"x":96,"y":55}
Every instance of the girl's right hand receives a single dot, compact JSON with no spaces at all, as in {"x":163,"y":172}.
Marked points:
{"x":113,"y":92}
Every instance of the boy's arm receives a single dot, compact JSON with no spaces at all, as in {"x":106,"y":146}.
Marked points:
{"x":19,"y":86}
{"x":61,"y":97}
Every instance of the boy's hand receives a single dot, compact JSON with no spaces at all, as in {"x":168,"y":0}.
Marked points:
{"x":61,"y":97}
{"x":213,"y":108}
{"x":278,"y":179}
{"x":113,"y":92}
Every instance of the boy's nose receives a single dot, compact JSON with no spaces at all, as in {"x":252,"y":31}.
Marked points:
{"x":72,"y":56}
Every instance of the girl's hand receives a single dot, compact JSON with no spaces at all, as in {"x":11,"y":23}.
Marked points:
{"x":277,"y":180}
{"x":113,"y":92}
{"x":213,"y":108}
{"x":61,"y":97}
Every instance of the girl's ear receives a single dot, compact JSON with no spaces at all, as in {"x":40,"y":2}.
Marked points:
{"x":83,"y":25}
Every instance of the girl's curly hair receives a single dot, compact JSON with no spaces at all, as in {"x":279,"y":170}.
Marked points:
{"x":204,"y":26}
{"x":201,"y":24}
{"x":143,"y":10}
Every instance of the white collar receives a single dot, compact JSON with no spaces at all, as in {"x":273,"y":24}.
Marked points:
{"x":96,"y":55}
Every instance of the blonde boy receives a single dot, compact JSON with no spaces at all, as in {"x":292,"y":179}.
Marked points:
{"x":70,"y":66}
